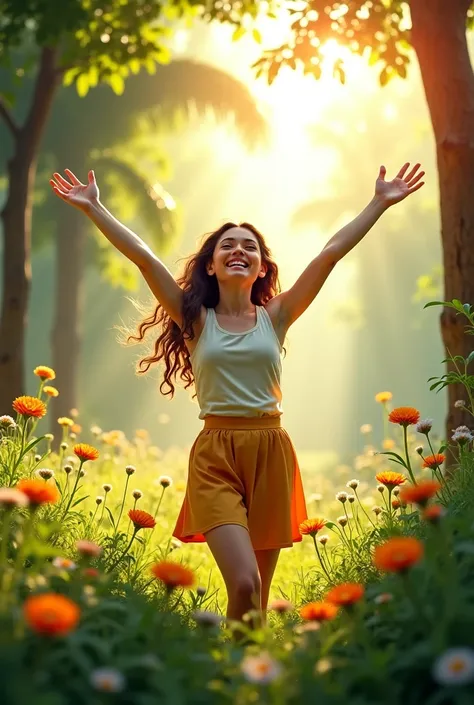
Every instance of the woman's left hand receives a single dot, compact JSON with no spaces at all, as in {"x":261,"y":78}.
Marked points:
{"x":390,"y":192}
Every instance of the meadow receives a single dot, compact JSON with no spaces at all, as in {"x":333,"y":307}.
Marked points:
{"x":100,"y":604}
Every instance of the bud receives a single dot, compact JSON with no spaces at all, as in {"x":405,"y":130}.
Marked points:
{"x":82,"y":473}
{"x":342,"y":521}
{"x":323,"y":539}
{"x":381,"y":488}
{"x":419,"y":450}
{"x":459,"y":404}
{"x":351,"y":498}
{"x":106,"y":487}
{"x":7,"y":421}
{"x":63,"y":445}
{"x":353,"y":484}
{"x":137,"y":494}
{"x":165,"y":481}
{"x":99,"y":500}
{"x":201,"y":591}
{"x":68,"y":469}
{"x":45,"y":473}
{"x":49,"y":437}
{"x":377,"y":510}
{"x":130,"y":469}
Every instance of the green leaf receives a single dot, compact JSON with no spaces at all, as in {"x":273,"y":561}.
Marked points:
{"x":82,"y":85}
{"x":238,"y":33}
{"x":111,"y":517}
{"x":78,"y":501}
{"x":70,"y":75}
{"x":470,"y":358}
{"x":117,"y":83}
{"x":435,"y":303}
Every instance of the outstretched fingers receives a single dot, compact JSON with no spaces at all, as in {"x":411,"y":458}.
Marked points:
{"x":412,"y":182}
{"x":402,"y":171}
{"x":73,"y":178}
{"x":412,"y":189}
{"x":58,"y":191}
{"x":62,"y":182}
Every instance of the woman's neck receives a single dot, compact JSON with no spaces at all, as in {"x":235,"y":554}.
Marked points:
{"x":235,"y":303}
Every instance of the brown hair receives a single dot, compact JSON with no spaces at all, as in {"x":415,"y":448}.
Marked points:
{"x":199,"y":289}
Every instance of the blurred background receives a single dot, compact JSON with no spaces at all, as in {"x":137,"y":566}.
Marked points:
{"x":298,"y":159}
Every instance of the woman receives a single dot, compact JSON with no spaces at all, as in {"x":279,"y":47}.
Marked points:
{"x":223,"y":325}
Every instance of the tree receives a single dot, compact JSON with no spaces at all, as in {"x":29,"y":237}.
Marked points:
{"x":88,"y":42}
{"x":156,"y":100}
{"x":384,"y":31}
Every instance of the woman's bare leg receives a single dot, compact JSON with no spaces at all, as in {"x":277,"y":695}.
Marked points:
{"x":267,"y":561}
{"x":233,"y":552}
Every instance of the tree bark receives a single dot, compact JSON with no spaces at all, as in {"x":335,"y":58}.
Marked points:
{"x":16,"y":217}
{"x":67,"y":328}
{"x":439,"y":39}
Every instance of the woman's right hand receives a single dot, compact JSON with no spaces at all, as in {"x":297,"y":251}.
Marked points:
{"x":74,"y":191}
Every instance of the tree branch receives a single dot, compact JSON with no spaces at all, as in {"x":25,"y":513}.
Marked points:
{"x":8,"y":118}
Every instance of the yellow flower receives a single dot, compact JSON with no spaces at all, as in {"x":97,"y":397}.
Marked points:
{"x":388,"y":444}
{"x":50,"y":391}
{"x":44,"y":372}
{"x":383,"y":397}
{"x":65,"y":421}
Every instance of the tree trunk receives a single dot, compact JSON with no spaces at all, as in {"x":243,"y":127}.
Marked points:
{"x":16,"y":216}
{"x":439,"y":38}
{"x":66,"y":336}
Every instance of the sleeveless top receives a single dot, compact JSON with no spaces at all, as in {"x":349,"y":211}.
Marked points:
{"x":238,"y":374}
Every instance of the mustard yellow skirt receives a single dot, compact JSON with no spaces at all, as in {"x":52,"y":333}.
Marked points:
{"x":243,"y":471}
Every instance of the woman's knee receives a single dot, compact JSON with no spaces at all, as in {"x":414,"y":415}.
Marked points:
{"x":246,"y":586}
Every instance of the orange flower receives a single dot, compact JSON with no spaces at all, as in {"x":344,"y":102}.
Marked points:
{"x":319,"y":611}
{"x":434,"y":513}
{"x":141,"y":519}
{"x":38,"y":491}
{"x":90,"y":573}
{"x":88,"y":548}
{"x":51,"y":614}
{"x":76,"y":428}
{"x":345,"y":594}
{"x":51,"y":391}
{"x":396,"y":504}
{"x":44,"y":372}
{"x":173,"y":574}
{"x":398,"y":554}
{"x":404,"y":415}
{"x":434,"y":461}
{"x":29,"y":406}
{"x":312,"y":526}
{"x":85,"y":452}
{"x":390,"y":479}
{"x":420,"y":493}
{"x":383,"y":397}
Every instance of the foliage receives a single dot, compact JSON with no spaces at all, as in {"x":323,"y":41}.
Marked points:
{"x":113,"y":628}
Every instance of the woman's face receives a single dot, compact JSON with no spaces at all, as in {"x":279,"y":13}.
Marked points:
{"x":237,"y":257}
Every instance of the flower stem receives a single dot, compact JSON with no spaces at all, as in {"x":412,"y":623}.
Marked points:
{"x":408,"y":466}
{"x":123,"y":503}
{"x":114,"y":565}
{"x":71,"y":497}
{"x":319,"y":557}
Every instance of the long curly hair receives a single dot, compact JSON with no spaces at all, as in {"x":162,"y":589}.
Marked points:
{"x":199,"y":289}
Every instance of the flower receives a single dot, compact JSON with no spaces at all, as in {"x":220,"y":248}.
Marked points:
{"x":381,"y":488}
{"x":6,"y":421}
{"x":342,"y":521}
{"x":377,"y":510}
{"x":173,"y":574}
{"x":383,"y":397}
{"x":88,"y":548}
{"x":92,"y":573}
{"x":85,"y":452}
{"x":65,"y":421}
{"x":396,"y":504}
{"x":29,"y":406}
{"x":390,"y":479}
{"x":206,"y":618}
{"x":462,"y":435}
{"x":107,"y":680}
{"x":425,"y":426}
{"x":141,"y":519}
{"x":261,"y":668}
{"x":64,"y":563}
{"x":404,"y":415}
{"x":51,"y":614}
{"x":323,"y":539}
{"x":434,"y":513}
{"x":10,"y":497}
{"x":383,"y":597}
{"x":137,"y":494}
{"x":51,"y":391}
{"x":420,"y":493}
{"x":319,"y":611}
{"x":353,"y":484}
{"x":434,"y":461}
{"x":99,"y":500}
{"x":38,"y":491}
{"x":312,"y":526}
{"x":342,"y":497}
{"x":345,"y":593}
{"x":279,"y":605}
{"x":201,"y":590}
{"x":68,"y":469}
{"x":398,"y":554}
{"x":419,"y":450}
{"x":165,"y":481}
{"x":106,"y":487}
{"x":454,"y":667}
{"x":76,"y":428}
{"x":130,"y":469}
{"x":388,"y":444}
{"x":45,"y":473}
{"x":44,"y":372}
{"x":459,"y":404}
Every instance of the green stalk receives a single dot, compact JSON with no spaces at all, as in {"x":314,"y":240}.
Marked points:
{"x":362,"y":507}
{"x":114,"y":565}
{"x":319,"y":557}
{"x":74,"y":488}
{"x":159,"y":503}
{"x":123,"y":503}
{"x":408,"y":466}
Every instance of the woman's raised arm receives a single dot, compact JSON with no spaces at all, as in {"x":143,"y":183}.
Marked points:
{"x":85,"y":197}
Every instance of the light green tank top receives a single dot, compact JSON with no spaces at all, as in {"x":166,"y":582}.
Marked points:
{"x":238,"y":374}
